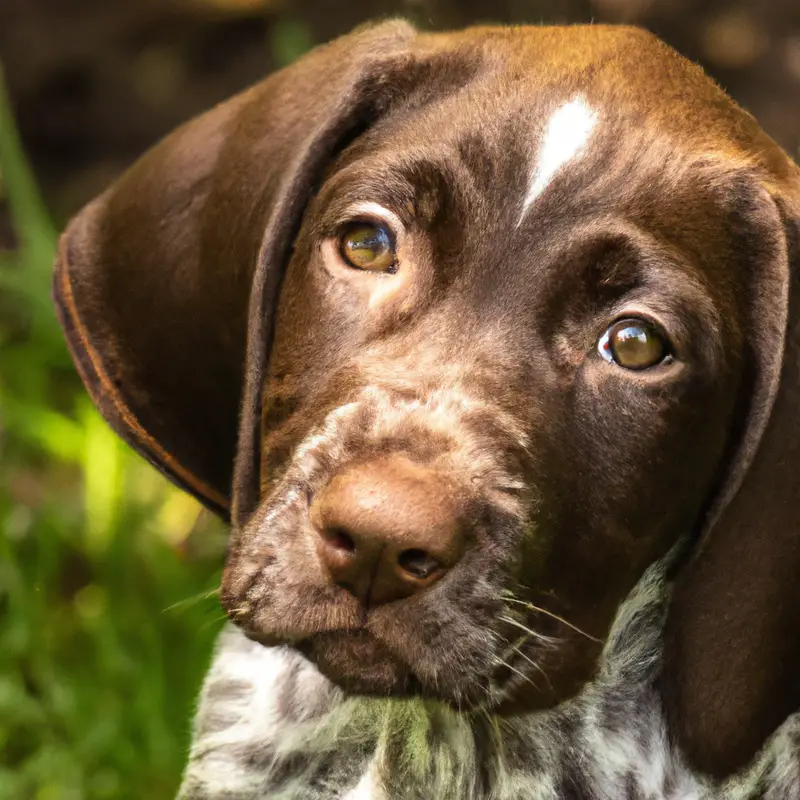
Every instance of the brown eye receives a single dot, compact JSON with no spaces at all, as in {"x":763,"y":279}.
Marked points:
{"x":370,"y":247}
{"x":633,"y":344}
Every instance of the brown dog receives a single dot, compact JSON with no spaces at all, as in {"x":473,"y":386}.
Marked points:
{"x":473,"y":336}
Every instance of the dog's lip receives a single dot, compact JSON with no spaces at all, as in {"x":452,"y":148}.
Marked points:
{"x":305,"y":642}
{"x":286,"y":626}
{"x":278,"y":639}
{"x":507,"y":695}
{"x":269,"y":640}
{"x":412,"y":684}
{"x":362,"y":663}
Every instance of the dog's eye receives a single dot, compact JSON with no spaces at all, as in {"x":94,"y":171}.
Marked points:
{"x":633,"y":344}
{"x":366,"y":246}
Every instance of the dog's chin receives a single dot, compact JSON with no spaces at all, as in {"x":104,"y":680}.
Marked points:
{"x":359,"y":663}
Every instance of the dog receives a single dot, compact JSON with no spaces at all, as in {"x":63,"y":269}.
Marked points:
{"x":486,"y":343}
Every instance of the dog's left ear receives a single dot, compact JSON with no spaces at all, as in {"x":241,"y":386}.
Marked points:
{"x":166,"y":284}
{"x":732,"y":642}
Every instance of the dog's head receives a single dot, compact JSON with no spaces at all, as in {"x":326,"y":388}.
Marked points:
{"x":488,"y":323}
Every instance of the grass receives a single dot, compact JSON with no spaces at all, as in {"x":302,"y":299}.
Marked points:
{"x":107,"y":573}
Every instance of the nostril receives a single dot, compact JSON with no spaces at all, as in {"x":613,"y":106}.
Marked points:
{"x":340,"y":540}
{"x":418,"y":563}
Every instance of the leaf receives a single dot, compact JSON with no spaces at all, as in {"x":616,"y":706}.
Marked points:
{"x":102,"y":477}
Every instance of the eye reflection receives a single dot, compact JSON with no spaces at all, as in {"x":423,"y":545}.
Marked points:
{"x":367,"y":246}
{"x":634,"y":344}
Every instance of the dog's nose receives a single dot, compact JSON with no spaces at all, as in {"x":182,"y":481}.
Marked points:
{"x":388,"y":528}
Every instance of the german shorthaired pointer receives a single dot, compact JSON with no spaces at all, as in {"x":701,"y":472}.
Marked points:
{"x":487,"y":343}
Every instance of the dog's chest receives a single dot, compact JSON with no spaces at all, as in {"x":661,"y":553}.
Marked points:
{"x":269,"y":725}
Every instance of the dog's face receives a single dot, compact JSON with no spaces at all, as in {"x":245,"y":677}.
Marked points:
{"x":503,"y":374}
{"x":488,"y":322}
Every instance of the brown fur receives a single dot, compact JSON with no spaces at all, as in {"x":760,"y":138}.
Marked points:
{"x":168,"y":289}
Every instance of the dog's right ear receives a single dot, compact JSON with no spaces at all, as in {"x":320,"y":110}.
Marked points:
{"x":154,"y":278}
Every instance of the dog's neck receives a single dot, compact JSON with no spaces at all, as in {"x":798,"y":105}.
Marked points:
{"x":270,"y":725}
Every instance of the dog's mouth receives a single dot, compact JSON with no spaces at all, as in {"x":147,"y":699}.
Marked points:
{"x":523,"y":676}
{"x":360,"y":663}
{"x":353,"y":658}
{"x":462,"y":642}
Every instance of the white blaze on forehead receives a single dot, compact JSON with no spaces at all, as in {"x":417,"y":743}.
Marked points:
{"x":567,"y":132}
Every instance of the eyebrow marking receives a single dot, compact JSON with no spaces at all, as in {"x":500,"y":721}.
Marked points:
{"x":567,"y":132}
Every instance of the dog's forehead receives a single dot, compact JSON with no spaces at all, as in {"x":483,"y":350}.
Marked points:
{"x":561,"y":88}
{"x":625,"y":68}
{"x":509,"y":157}
{"x":537,"y":105}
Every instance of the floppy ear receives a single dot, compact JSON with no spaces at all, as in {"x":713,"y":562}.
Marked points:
{"x":732,"y":643}
{"x":153,"y":279}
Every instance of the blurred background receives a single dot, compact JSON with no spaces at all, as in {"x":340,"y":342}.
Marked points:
{"x":108,"y":576}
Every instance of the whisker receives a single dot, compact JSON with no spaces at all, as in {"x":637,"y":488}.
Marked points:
{"x":528,"y":631}
{"x":539,"y":609}
{"x":190,"y":601}
{"x":479,"y":709}
{"x":518,"y":650}
{"x":522,"y":675}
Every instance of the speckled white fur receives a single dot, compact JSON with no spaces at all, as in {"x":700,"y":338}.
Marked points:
{"x":244,"y":733}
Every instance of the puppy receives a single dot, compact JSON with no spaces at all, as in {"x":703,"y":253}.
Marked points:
{"x":487,"y":345}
